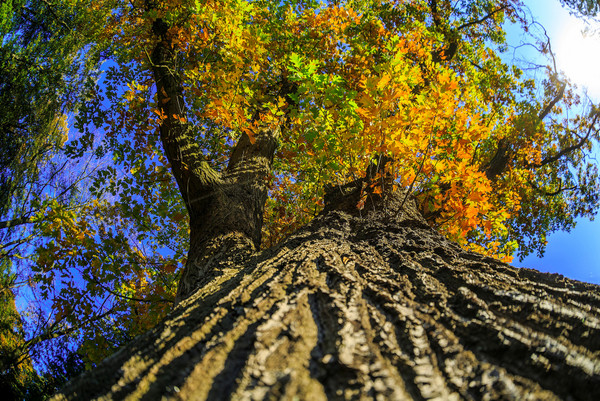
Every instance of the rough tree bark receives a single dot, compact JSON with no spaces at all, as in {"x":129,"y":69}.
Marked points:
{"x":369,"y":304}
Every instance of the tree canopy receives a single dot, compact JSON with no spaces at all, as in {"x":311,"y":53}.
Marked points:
{"x":276,"y":101}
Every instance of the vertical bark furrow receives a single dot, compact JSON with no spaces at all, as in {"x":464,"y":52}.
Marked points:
{"x":508,"y":340}
{"x":551,"y":313}
{"x":287,"y":337}
{"x":557,"y":319}
{"x":397,"y":358}
{"x":218,"y":371}
{"x":331,"y":369}
{"x":429,"y":290}
{"x":418,"y":363}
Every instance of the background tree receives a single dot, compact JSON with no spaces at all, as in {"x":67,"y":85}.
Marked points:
{"x":19,"y":380}
{"x":55,"y":210}
{"x":43,"y":73}
{"x":15,"y":366}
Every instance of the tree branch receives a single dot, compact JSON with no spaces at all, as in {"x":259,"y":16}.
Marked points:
{"x":553,"y":193}
{"x":559,"y":95}
{"x":16,"y":222}
{"x":567,"y":150}
{"x":51,"y":333}
{"x":503,"y":154}
{"x":59,"y":20}
{"x":480,"y":20}
{"x":195,"y":178}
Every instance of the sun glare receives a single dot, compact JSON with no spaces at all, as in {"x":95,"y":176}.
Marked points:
{"x":578,"y":56}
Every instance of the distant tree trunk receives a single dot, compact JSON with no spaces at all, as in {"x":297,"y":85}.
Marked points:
{"x":377,"y":306}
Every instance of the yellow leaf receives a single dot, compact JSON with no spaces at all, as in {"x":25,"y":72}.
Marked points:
{"x":383,"y":81}
{"x":250,"y":134}
{"x":363,"y":112}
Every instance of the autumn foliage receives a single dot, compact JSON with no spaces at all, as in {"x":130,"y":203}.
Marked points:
{"x":372,"y":79}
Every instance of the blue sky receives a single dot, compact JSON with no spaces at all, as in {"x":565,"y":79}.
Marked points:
{"x":576,"y":254}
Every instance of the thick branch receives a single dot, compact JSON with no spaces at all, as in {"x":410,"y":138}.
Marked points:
{"x":567,"y":150}
{"x":195,"y":178}
{"x":226,"y":209}
{"x":435,"y":13}
{"x":503,"y":155}
{"x":448,"y":52}
{"x":482,"y":19}
{"x":559,"y":95}
{"x":560,"y":189}
{"x":50,"y":8}
{"x":499,"y":162}
{"x":15,"y":222}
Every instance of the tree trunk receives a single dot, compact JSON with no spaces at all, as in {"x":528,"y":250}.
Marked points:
{"x":369,"y":304}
